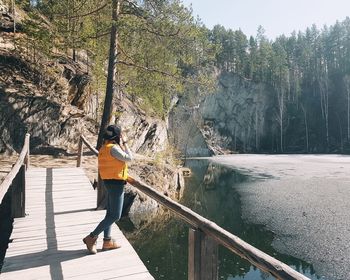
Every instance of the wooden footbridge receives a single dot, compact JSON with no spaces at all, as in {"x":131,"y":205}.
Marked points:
{"x":54,"y":208}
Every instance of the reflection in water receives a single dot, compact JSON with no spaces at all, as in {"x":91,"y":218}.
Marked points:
{"x":211,"y":192}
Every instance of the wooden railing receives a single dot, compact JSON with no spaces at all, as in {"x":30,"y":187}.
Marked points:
{"x":204,"y":237}
{"x":15,"y":182}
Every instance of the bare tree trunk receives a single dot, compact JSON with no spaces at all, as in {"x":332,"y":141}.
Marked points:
{"x":324,"y":98}
{"x":340,"y":134}
{"x":97,"y":99}
{"x":87,"y":62}
{"x":348,"y":91}
{"x":112,"y":70}
{"x":73,"y":26}
{"x":281,"y":132}
{"x":327,"y":113}
{"x":347,"y":86}
{"x":306,"y":129}
{"x":256,"y":129}
{"x":280,"y":97}
{"x":13,"y":7}
{"x":325,"y":107}
{"x":235,"y":139}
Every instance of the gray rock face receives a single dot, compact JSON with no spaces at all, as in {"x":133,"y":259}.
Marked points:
{"x":6,"y":19}
{"x":3,"y":8}
{"x":78,"y":80}
{"x":236,"y":113}
{"x":147,"y":135}
{"x":184,"y":131}
{"x":234,"y":118}
{"x":34,"y":103}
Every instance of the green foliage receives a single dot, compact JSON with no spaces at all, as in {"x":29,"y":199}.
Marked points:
{"x":40,"y":36}
{"x":160,"y":51}
{"x":161,"y":47}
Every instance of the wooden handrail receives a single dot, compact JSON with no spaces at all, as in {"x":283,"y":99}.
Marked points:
{"x":23,"y":158}
{"x":222,"y":236}
{"x":91,"y":147}
{"x":83,"y":140}
{"x":256,"y":257}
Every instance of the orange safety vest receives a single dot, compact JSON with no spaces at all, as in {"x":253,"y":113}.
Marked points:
{"x":110,"y":167}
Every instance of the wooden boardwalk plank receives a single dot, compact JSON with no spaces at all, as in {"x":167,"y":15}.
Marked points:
{"x":47,"y":243}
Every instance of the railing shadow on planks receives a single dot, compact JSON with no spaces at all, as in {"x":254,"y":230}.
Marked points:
{"x":205,"y":236}
{"x":15,"y":182}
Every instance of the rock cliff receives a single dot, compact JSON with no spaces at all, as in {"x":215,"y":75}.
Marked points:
{"x":48,"y":97}
{"x":238,"y":113}
{"x":149,"y":135}
{"x":234,"y":118}
{"x":33,"y":101}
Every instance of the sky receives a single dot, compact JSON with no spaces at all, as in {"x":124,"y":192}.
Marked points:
{"x":276,"y":16}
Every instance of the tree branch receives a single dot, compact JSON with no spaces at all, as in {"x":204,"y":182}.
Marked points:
{"x":82,"y":15}
{"x":167,"y":74}
{"x":161,"y":34}
{"x":81,"y":5}
{"x":126,"y":55}
{"x":98,"y":35}
{"x":149,"y":69}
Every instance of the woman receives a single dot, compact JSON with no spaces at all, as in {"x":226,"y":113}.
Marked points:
{"x":112,"y":167}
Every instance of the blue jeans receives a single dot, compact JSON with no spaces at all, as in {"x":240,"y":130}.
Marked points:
{"x":115,"y":199}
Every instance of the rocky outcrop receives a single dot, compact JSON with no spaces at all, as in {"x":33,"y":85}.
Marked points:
{"x":238,"y":113}
{"x":34,"y":102}
{"x":235,"y":118}
{"x":147,"y":135}
{"x":47,"y":97}
{"x":7,"y":23}
{"x":6,"y":19}
{"x":185,"y":131}
{"x":77,"y":95}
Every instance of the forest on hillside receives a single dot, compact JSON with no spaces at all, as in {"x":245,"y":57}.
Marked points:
{"x":163,"y":51}
{"x":310,"y":74}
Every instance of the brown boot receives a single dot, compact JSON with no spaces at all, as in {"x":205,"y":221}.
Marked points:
{"x":91,"y":243}
{"x":109,"y":244}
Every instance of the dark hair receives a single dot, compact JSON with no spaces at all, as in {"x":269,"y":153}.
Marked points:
{"x":112,"y":132}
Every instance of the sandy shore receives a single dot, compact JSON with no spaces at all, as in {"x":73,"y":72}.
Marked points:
{"x":304,"y":199}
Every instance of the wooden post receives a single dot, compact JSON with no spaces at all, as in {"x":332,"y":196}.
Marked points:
{"x":101,"y":194}
{"x":209,"y":258}
{"x":80,"y":152}
{"x":26,"y":159}
{"x":18,"y":194}
{"x":194,"y":254}
{"x":202,"y":256}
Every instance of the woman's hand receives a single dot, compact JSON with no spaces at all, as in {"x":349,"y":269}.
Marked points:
{"x":123,"y":138}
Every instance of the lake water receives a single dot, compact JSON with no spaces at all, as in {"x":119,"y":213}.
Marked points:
{"x":214,"y":191}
